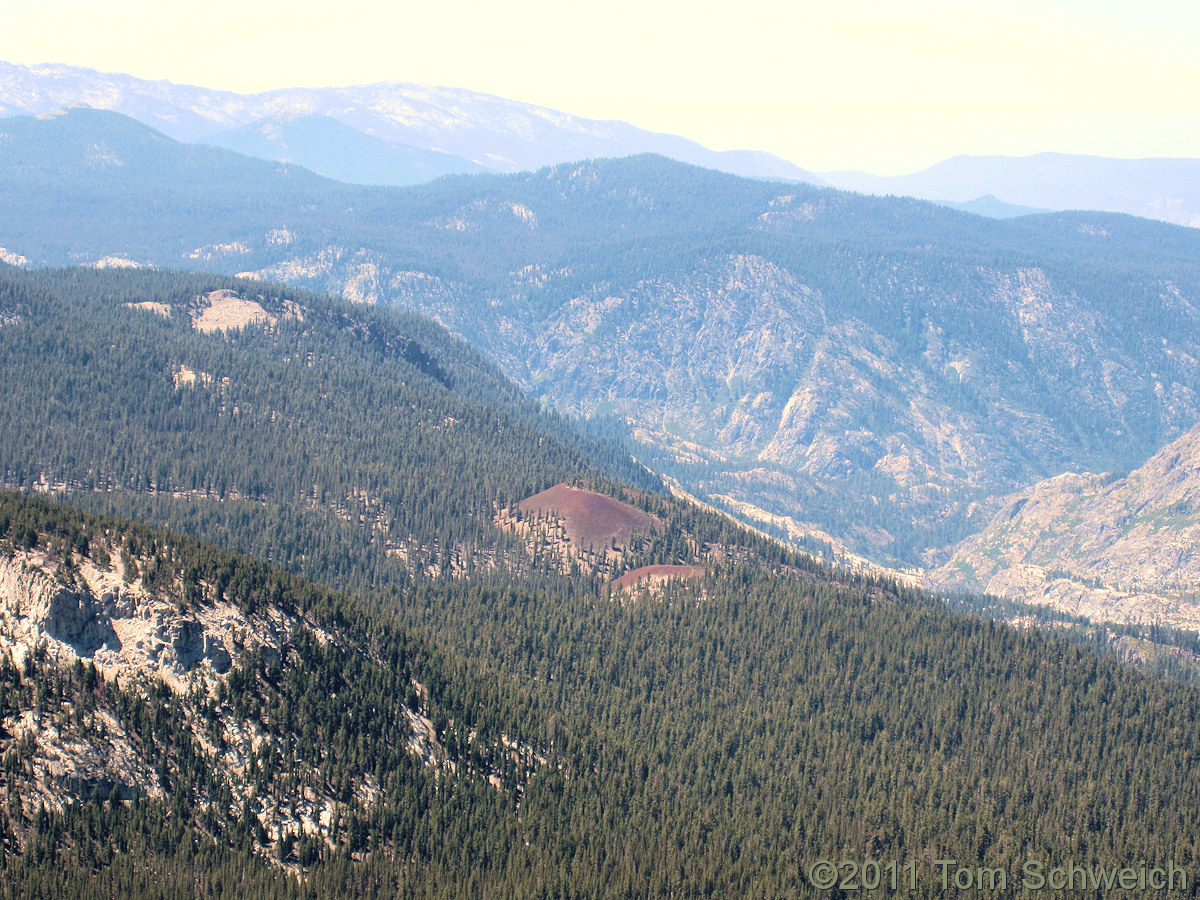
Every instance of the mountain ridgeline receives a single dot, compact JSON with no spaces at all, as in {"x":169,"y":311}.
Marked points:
{"x":877,"y":369}
{"x":1166,"y":189}
{"x":429,"y":124}
{"x":1098,"y":545}
{"x":337,"y":151}
{"x":326,"y":601}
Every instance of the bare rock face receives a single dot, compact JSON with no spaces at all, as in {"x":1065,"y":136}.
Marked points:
{"x":101,"y":635}
{"x":73,"y":617}
{"x":1123,"y":548}
{"x":120,"y":627}
{"x":83,"y":611}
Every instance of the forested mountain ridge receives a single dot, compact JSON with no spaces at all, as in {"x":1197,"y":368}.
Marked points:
{"x":361,"y":446}
{"x":364,"y":447}
{"x":782,"y":351}
{"x":170,"y":671}
{"x":133,"y":185}
{"x":172,"y":690}
{"x":574,"y":745}
{"x":252,"y":412}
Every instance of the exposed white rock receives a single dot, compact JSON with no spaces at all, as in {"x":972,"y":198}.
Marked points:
{"x":12,"y":258}
{"x":1119,"y":548}
{"x":223,"y":310}
{"x":185,"y":377}
{"x":218,"y":251}
{"x":92,"y":613}
{"x":117,"y":262}
{"x":153,"y":306}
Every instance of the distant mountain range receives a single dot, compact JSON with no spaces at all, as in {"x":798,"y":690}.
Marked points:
{"x":400,"y":134}
{"x":881,"y":370}
{"x":1166,"y":189}
{"x":488,"y":132}
{"x":988,"y":205}
{"x":329,"y":148}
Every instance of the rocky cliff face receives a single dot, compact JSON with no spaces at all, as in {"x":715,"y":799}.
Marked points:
{"x":92,"y":620}
{"x":99,"y":613}
{"x":1109,"y":547}
{"x":96,"y":614}
{"x":747,"y":369}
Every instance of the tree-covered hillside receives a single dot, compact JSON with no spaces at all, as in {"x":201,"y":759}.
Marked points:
{"x":718,"y":738}
{"x":320,"y":434}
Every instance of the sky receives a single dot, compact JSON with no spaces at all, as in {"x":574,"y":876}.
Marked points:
{"x":883,"y":87}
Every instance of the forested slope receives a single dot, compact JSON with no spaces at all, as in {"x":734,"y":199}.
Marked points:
{"x":718,"y":738}
{"x":316,"y":432}
{"x":476,"y":718}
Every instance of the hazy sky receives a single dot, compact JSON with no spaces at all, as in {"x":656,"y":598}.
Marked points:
{"x":884,"y":87}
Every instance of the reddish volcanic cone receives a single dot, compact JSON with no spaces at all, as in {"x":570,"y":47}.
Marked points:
{"x":590,"y":518}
